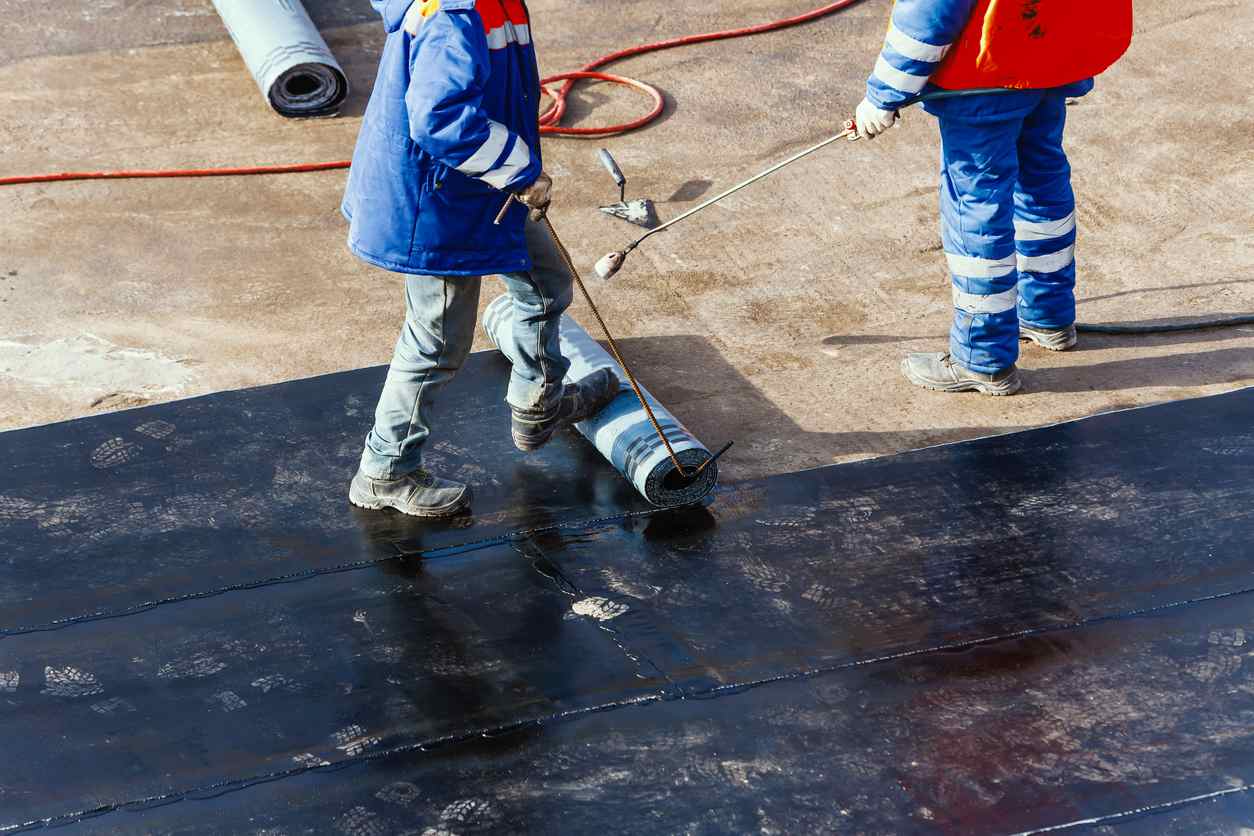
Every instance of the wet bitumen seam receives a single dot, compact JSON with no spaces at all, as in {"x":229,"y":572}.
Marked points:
{"x":1137,"y":812}
{"x":442,"y":552}
{"x":226,"y":786}
{"x":540,"y":562}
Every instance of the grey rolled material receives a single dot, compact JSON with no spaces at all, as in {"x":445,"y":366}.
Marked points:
{"x":287,"y":56}
{"x":622,"y":432}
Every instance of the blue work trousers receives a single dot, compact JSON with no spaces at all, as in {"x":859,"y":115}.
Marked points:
{"x":1009,"y":231}
{"x":440,"y":317}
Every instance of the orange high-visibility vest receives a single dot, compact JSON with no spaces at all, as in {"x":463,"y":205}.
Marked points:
{"x":1036,"y":43}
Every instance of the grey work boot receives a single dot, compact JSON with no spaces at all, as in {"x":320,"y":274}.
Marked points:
{"x":1054,"y":339}
{"x":579,"y":401}
{"x":940,"y":373}
{"x":419,"y":494}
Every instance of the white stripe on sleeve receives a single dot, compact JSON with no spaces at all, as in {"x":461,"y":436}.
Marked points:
{"x":1049,"y":263}
{"x":993,"y":304}
{"x":519,"y":158}
{"x":915,"y":49}
{"x":1044,"y":230}
{"x":980,"y":268}
{"x":898,"y":80}
{"x":482,"y":159}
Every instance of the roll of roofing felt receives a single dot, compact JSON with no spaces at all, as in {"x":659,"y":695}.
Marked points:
{"x":622,"y":431}
{"x":296,"y":72}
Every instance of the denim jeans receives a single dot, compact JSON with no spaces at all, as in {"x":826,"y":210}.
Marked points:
{"x":440,"y":317}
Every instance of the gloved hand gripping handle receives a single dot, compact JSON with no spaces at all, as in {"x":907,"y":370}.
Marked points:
{"x":851,"y":125}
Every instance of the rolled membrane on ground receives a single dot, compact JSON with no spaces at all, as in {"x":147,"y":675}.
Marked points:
{"x":287,"y":56}
{"x":622,"y":432}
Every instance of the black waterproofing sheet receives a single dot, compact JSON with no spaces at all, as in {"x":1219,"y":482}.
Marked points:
{"x":1049,"y":628}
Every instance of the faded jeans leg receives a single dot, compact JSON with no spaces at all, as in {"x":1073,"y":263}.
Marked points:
{"x":440,"y":315}
{"x":540,"y":296}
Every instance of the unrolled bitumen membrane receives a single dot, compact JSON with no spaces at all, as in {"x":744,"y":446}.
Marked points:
{"x":287,"y":56}
{"x":1046,"y":629}
{"x":622,"y":432}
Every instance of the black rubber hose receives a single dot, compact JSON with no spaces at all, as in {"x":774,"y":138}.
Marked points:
{"x":1167,"y":328}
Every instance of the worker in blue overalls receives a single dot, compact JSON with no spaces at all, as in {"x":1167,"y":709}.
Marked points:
{"x":450,"y":133}
{"x":1008,"y":219}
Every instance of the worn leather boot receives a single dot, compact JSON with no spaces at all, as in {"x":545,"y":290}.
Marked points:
{"x":1054,"y":339}
{"x":419,"y":494}
{"x":579,"y":401}
{"x":940,"y":373}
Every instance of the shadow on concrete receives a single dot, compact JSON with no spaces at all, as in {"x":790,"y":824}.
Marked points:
{"x":358,"y":52}
{"x":35,"y":30}
{"x":833,"y":344}
{"x":1141,"y":290}
{"x":1200,"y":368}
{"x":1088,"y":342}
{"x":719,"y":404}
{"x":690,"y":191}
{"x":1091,"y":342}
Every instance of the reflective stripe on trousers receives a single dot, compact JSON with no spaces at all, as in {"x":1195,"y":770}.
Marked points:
{"x":1008,"y":228}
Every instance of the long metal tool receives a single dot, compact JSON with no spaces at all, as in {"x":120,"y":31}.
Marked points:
{"x":609,"y":338}
{"x":618,"y":356}
{"x":610,"y":264}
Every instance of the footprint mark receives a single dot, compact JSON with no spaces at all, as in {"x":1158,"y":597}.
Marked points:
{"x":114,"y":453}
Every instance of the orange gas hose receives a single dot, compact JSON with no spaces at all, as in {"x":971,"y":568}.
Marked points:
{"x":550,"y":120}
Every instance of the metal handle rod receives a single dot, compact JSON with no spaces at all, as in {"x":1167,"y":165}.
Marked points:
{"x":849,"y":131}
{"x":609,"y":338}
{"x":807,"y":152}
{"x":617,"y":173}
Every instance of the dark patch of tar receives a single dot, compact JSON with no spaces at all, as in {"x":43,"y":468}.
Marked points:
{"x":997,"y":636}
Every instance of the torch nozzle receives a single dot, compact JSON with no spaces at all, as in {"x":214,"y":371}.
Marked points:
{"x":610,"y":264}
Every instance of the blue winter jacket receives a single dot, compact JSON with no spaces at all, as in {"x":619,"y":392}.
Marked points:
{"x":450,"y":131}
{"x":919,"y":37}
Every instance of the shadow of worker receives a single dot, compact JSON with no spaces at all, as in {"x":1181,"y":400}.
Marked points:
{"x":718,"y":403}
{"x":422,"y":668}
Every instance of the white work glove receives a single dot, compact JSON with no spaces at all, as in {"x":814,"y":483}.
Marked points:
{"x":871,"y":121}
{"x":537,"y":196}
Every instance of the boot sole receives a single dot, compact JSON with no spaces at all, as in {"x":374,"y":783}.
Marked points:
{"x":374,"y":504}
{"x":1066,"y":346}
{"x":534,"y":443}
{"x":531,"y":443}
{"x":996,"y":390}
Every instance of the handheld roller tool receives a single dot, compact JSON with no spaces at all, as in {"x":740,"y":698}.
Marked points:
{"x":683,"y":477}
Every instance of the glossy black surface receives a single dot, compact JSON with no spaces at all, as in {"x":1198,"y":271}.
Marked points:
{"x":1013,"y":633}
{"x":109,"y":513}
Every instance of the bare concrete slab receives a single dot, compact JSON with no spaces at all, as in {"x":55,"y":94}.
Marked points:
{"x":777,"y":319}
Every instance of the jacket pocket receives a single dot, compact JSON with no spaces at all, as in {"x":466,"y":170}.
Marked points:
{"x":458,"y":214}
{"x":386,"y":198}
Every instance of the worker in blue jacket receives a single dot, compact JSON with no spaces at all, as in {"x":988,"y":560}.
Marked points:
{"x":450,"y":133}
{"x":1008,"y":221}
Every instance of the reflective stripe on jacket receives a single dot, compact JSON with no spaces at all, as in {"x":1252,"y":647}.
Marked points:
{"x":450,"y":130}
{"x":970,"y":44}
